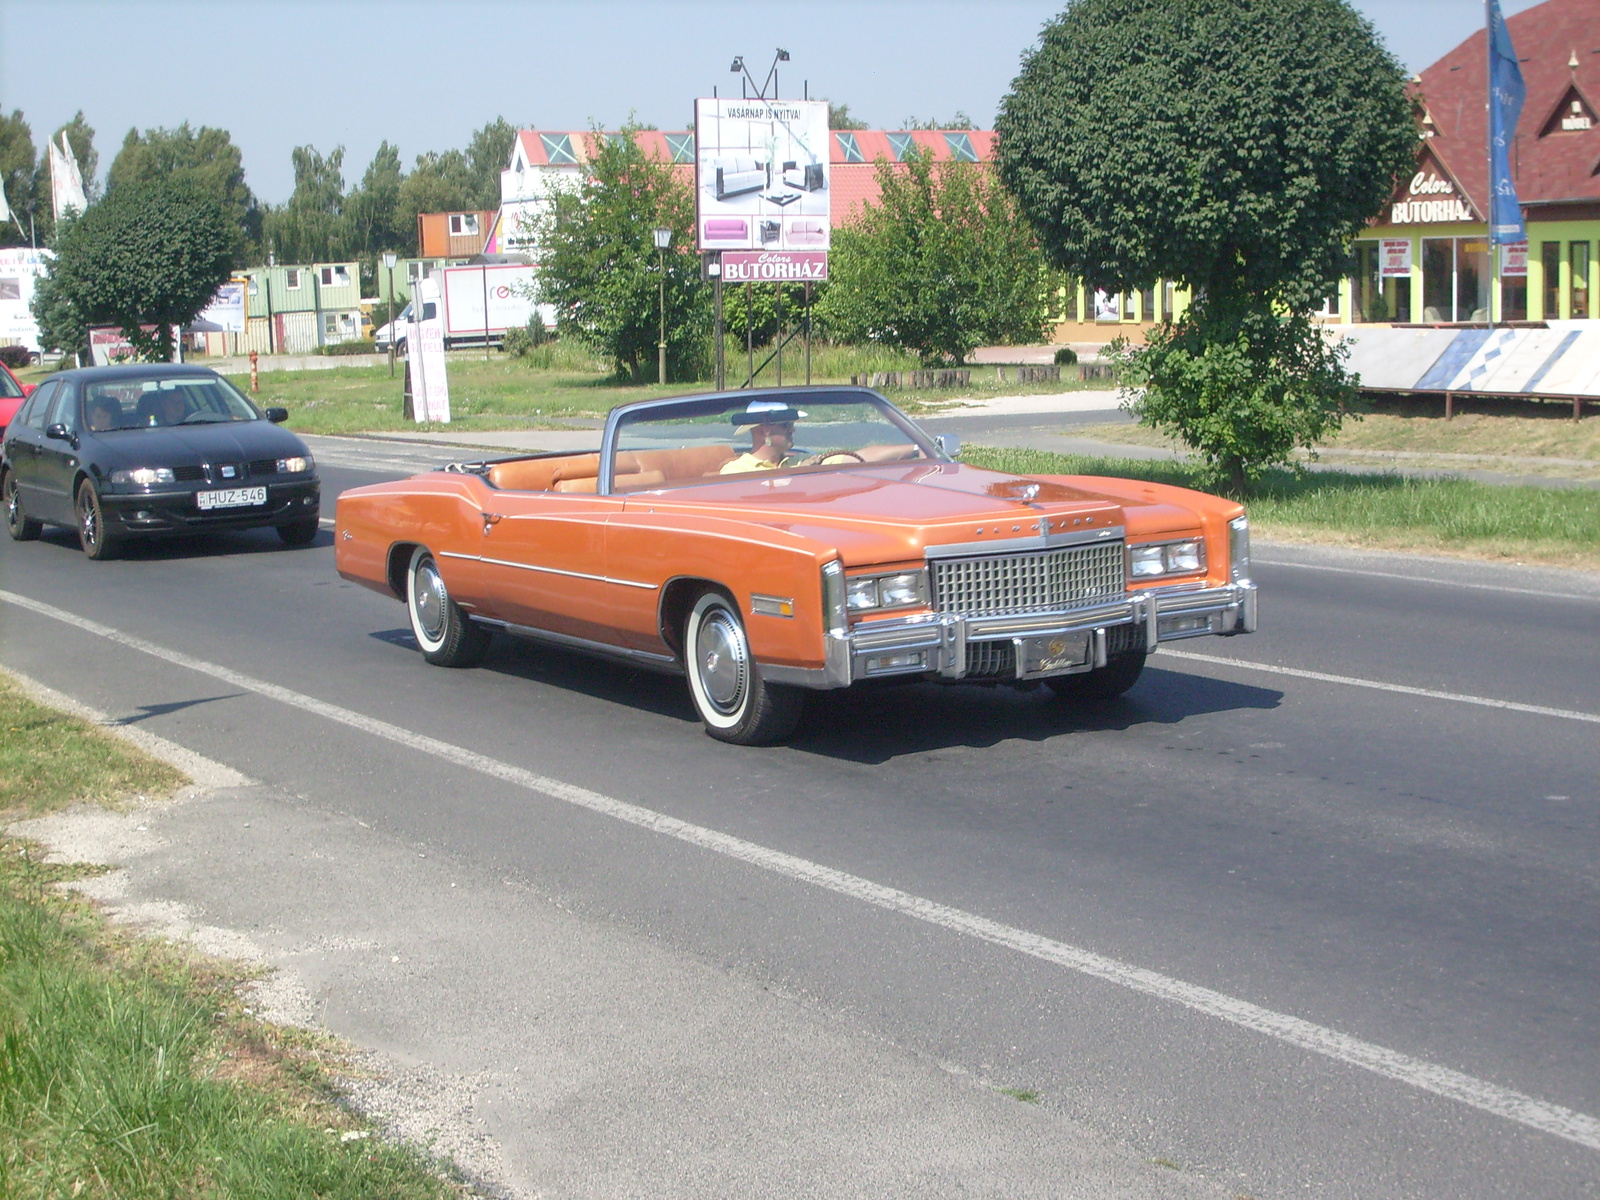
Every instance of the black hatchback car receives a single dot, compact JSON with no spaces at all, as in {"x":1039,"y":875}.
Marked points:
{"x":134,"y":451}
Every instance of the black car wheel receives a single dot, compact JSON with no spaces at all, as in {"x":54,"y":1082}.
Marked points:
{"x":299,"y":533}
{"x":19,"y":524}
{"x":734,"y":702}
{"x":1105,"y":683}
{"x":447,"y":637}
{"x":97,"y":542}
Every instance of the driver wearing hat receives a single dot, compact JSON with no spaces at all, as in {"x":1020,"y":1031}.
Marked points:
{"x":771,"y":425}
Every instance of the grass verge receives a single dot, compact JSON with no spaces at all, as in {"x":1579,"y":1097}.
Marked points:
{"x":1384,"y":511}
{"x":558,"y":383}
{"x":128,"y":1067}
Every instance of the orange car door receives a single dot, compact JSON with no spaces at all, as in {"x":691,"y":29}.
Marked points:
{"x":544,"y":561}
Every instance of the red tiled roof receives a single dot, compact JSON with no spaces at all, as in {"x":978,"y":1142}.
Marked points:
{"x":1561,"y":164}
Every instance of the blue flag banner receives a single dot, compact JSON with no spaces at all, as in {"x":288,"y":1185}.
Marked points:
{"x":1506,"y":93}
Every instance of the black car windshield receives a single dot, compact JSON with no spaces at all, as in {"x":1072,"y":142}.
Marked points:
{"x":704,"y":438}
{"x":154,"y":402}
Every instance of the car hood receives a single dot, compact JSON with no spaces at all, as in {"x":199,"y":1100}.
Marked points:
{"x":188,"y":445}
{"x":887,"y":512}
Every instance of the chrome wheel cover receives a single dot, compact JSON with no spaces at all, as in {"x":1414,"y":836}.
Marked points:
{"x":88,"y":519}
{"x":430,"y":600}
{"x":722,"y":661}
{"x":13,"y":503}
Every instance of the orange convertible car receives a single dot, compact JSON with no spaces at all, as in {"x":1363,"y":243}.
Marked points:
{"x":767,"y":543}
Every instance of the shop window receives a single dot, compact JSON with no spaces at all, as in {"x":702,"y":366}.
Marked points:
{"x":1550,"y":260}
{"x":1366,"y":286}
{"x":1472,"y":279}
{"x":1514,"y":282}
{"x":1578,"y":280}
{"x":1438,"y":279}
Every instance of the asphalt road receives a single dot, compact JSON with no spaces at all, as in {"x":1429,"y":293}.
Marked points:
{"x":1258,"y":929}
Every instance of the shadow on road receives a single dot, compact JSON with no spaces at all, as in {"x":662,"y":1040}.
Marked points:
{"x":221,"y":544}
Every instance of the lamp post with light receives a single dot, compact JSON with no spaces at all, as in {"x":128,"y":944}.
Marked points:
{"x":663,"y":240}
{"x":389,"y":260}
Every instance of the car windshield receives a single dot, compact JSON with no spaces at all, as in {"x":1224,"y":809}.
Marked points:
{"x":705,"y":438}
{"x":9,"y":387}
{"x":146,"y":402}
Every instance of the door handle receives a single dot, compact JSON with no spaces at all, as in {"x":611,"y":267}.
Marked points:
{"x":489,"y":519}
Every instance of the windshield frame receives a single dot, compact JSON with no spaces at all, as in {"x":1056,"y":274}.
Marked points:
{"x":715,"y":403}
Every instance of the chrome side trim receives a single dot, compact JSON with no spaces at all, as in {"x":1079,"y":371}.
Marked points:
{"x":503,"y":562}
{"x":664,"y":663}
{"x":453,"y":554}
{"x":1013,"y":545}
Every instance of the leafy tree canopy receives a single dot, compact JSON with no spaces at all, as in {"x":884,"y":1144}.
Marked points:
{"x":205,"y":157}
{"x":600,"y":267}
{"x":18,"y":163}
{"x":839,"y":117}
{"x":1234,"y":146}
{"x":372,"y":209}
{"x":959,"y":120}
{"x":150,"y":253}
{"x":941,"y":265}
{"x":489,"y":153}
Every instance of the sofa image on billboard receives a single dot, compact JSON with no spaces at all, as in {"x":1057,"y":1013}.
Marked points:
{"x":808,"y":179}
{"x":738,"y":175}
{"x":807,"y":231}
{"x":727,"y":229}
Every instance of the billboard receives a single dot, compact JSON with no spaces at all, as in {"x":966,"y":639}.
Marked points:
{"x":761,"y":175}
{"x":227,"y":309}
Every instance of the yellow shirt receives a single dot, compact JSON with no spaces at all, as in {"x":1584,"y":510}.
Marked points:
{"x":746,"y":462}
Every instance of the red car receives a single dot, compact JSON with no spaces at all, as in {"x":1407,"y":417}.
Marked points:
{"x":12,"y":394}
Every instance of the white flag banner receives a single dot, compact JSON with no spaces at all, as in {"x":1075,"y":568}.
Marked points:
{"x":66,"y":182}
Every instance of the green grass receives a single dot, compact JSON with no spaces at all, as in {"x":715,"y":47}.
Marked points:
{"x":561,"y":381}
{"x":1445,"y":515}
{"x":128,"y":1067}
{"x":81,"y":762}
{"x":1025,"y":1095}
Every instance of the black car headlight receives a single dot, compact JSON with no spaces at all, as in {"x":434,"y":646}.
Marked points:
{"x":297,"y":464}
{"x":142,"y":476}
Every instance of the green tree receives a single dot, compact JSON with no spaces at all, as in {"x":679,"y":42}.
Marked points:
{"x":149,"y":253}
{"x":839,"y":117}
{"x":205,"y":157}
{"x":440,"y":182}
{"x":489,"y":153}
{"x":371,"y":208}
{"x":311,"y":226}
{"x":1235,"y":147}
{"x":600,"y":267}
{"x":942,"y":264}
{"x":959,"y":121}
{"x":19,"y":164}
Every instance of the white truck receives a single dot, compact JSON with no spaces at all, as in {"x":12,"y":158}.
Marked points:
{"x":480,"y":303}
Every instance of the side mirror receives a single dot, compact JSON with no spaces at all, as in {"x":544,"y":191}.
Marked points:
{"x":59,"y":432}
{"x":277,"y":415}
{"x":949,"y":444}
{"x":27,"y":389}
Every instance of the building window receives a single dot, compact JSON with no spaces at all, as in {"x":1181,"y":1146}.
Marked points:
{"x":960,"y":145}
{"x":1455,"y":280}
{"x":1168,"y":305}
{"x":681,"y":147}
{"x":335,"y":276}
{"x":1147,"y":305}
{"x":291,"y":278}
{"x":1472,"y":279}
{"x":1438,"y":279}
{"x":1367,"y":301}
{"x":902,"y":144}
{"x":463,"y":224}
{"x":849,"y":148}
{"x":558,"y":149}
{"x":1578,"y":280}
{"x":330,"y":324}
{"x":1514,"y":282}
{"x":1550,"y":260}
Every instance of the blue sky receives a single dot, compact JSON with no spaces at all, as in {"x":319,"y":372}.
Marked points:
{"x":281,"y":73}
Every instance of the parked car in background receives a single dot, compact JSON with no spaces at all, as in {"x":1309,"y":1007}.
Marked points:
{"x":12,"y":393}
{"x":140,"y":451}
{"x":774,"y":543}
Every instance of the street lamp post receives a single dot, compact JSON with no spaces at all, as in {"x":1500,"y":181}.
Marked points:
{"x":663,"y":240}
{"x":389,"y":259}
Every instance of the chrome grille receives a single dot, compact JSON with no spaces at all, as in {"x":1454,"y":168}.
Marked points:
{"x":991,"y":659}
{"x":1037,"y":581}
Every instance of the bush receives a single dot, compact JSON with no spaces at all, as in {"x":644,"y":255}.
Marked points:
{"x":16,"y":357}
{"x":359,"y":346}
{"x":1066,"y":356}
{"x":523,"y":341}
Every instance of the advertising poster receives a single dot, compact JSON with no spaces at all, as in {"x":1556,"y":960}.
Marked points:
{"x":1394,"y":258}
{"x":1514,"y":260}
{"x":774,"y":266}
{"x":226,"y":310}
{"x":761,"y":172}
{"x":1107,"y":305}
{"x":430,"y":386}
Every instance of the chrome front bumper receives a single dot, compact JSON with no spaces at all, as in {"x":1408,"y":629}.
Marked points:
{"x":941,"y":646}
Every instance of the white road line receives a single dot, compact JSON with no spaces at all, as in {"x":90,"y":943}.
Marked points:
{"x":1530,"y":1111}
{"x":1538,"y":710}
{"x":1478,"y":587}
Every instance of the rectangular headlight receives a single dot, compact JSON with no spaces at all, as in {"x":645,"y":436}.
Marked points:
{"x":1183,"y":557}
{"x":143,"y":476}
{"x":900,"y":591}
{"x":296,"y":465}
{"x":862,"y":594}
{"x":1145,"y":561}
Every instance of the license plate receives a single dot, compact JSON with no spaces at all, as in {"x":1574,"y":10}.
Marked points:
{"x":1054,"y":654}
{"x":231,"y":498}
